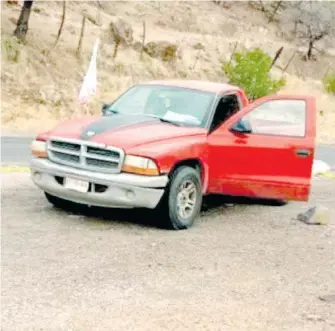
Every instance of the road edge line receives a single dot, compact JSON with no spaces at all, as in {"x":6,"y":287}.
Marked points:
{"x":14,"y":169}
{"x":328,"y":174}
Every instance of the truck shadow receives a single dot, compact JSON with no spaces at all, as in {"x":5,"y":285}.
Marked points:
{"x":150,"y":218}
{"x":215,"y":201}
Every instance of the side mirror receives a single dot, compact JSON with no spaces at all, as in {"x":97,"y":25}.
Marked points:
{"x":242,"y":126}
{"x":105,"y":107}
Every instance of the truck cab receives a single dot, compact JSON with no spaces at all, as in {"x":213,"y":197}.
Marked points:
{"x":165,"y":144}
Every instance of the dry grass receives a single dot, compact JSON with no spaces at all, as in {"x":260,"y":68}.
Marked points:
{"x":40,"y":86}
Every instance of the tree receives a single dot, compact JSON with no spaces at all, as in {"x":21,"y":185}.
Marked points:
{"x":313,"y":21}
{"x":22,"y":23}
{"x":251,"y":71}
{"x":329,"y":83}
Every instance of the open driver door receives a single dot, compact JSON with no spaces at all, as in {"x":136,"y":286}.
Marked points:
{"x":265,"y":150}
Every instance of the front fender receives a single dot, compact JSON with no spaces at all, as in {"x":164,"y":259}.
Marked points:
{"x":168,"y":153}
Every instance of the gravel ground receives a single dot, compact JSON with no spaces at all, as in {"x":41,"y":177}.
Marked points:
{"x":248,"y":267}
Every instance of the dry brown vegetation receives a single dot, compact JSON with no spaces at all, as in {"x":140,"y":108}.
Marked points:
{"x":40,"y":82}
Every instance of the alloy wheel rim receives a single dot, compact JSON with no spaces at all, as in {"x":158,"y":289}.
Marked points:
{"x":186,"y":199}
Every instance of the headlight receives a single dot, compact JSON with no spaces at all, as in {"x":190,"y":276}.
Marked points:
{"x":140,"y":166}
{"x":39,"y":149}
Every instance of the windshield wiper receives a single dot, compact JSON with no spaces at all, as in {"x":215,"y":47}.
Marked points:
{"x":164,"y":120}
{"x":110,"y":111}
{"x":168,"y":121}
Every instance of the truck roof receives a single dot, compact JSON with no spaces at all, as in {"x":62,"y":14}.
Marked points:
{"x":200,"y":85}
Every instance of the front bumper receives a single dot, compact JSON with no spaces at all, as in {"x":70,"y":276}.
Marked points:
{"x":105,"y":190}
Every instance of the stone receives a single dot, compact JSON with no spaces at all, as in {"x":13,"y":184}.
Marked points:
{"x":137,"y":46}
{"x":328,"y":298}
{"x":320,"y":167}
{"x":199,"y":46}
{"x":315,"y":318}
{"x":163,"y":50}
{"x":317,"y":215}
{"x":121,"y":32}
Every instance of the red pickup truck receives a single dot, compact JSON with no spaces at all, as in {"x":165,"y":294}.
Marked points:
{"x":165,"y":144}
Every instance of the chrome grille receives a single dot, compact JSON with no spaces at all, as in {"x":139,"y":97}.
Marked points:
{"x":85,"y":155}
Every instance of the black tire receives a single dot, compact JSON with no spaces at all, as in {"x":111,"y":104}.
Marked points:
{"x":63,"y":204}
{"x":172,"y":219}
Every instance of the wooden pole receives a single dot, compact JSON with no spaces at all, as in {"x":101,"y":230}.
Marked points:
{"x":276,"y":56}
{"x":143,"y":39}
{"x":22,"y":23}
{"x":275,"y":12}
{"x":61,"y":24}
{"x":81,"y":35}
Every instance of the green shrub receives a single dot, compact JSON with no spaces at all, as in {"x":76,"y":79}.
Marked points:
{"x":329,"y":83}
{"x":11,"y":48}
{"x":250,"y":70}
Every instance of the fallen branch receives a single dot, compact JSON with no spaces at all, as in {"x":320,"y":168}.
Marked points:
{"x":92,"y":20}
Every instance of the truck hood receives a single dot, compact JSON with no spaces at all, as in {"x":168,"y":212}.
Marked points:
{"x":123,"y":131}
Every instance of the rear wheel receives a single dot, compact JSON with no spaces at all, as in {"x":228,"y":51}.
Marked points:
{"x":182,"y":202}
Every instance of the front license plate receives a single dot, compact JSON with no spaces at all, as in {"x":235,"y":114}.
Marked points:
{"x":76,"y":185}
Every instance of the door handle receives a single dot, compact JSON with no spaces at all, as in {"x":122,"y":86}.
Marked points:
{"x":302,"y":152}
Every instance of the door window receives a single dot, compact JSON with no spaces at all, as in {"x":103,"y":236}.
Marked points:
{"x":227,"y":106}
{"x":278,"y":117}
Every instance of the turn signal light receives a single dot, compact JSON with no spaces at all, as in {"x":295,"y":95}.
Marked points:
{"x":140,"y":166}
{"x":39,"y":149}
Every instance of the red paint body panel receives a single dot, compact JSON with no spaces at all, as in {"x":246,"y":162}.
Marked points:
{"x":235,"y":164}
{"x":262,"y":165}
{"x":169,"y":152}
{"x":70,"y":129}
{"x":141,"y":134}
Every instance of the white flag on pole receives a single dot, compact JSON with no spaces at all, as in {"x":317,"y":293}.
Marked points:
{"x":89,"y":86}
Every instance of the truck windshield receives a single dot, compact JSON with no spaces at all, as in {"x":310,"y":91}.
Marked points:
{"x":173,"y":104}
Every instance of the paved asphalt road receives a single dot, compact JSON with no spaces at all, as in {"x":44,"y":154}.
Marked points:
{"x":16,"y":151}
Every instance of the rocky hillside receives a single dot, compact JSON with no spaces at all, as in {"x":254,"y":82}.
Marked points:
{"x":41,"y":81}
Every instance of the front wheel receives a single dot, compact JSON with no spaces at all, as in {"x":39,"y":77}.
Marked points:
{"x":63,"y":204}
{"x":182,"y":201}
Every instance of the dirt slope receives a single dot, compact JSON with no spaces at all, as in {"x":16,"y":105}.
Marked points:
{"x":40,"y":84}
